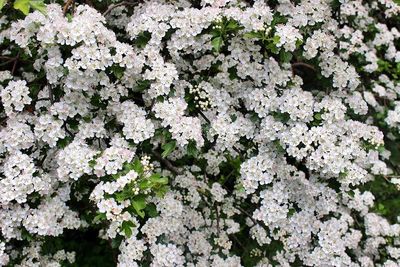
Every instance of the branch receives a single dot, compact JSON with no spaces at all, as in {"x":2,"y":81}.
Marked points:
{"x":51,"y":96}
{"x":8,"y":61}
{"x":217,"y":215}
{"x":302,"y":64}
{"x":15,"y":64}
{"x":244,"y":211}
{"x":66,"y":129}
{"x":43,"y":99}
{"x":238,"y":241}
{"x":204,"y":117}
{"x":67,"y":5}
{"x":8,"y":57}
{"x":167,"y":163}
{"x":111,"y":7}
{"x":248,"y":214}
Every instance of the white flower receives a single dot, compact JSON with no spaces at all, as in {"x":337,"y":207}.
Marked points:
{"x":15,"y":96}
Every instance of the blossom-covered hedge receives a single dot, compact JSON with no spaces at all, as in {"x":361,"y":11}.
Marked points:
{"x":200,"y":133}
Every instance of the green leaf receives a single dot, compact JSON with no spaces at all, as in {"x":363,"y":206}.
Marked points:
{"x":92,"y":163}
{"x":299,"y":42}
{"x":162,"y":191}
{"x":2,"y":3}
{"x":62,"y":143}
{"x":116,"y":242}
{"x":317,"y":116}
{"x":145,"y":184}
{"x":192,"y":149}
{"x":142,"y":39}
{"x":151,"y":210}
{"x":99,"y":217}
{"x":139,"y":204}
{"x":168,"y":148}
{"x":291,"y":212}
{"x":232,"y":25}
{"x":276,"y":39}
{"x":127,"y":231}
{"x":159,"y":180}
{"x":69,"y":17}
{"x":38,"y":5}
{"x":154,"y":178}
{"x":273,"y":48}
{"x":26,"y":235}
{"x":118,"y":71}
{"x":22,"y":5}
{"x":127,"y":228}
{"x":251,"y":35}
{"x":137,"y":166}
{"x":240,"y":188}
{"x":216,"y":43}
{"x":143,"y":85}
{"x":285,"y":56}
{"x":122,"y":196}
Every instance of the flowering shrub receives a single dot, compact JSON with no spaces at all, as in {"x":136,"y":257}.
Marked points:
{"x":200,"y":133}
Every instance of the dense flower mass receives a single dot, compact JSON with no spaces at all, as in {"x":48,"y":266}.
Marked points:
{"x":219,"y":133}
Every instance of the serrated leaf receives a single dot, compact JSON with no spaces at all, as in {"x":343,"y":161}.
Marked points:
{"x":285,"y":56}
{"x":22,"y":5}
{"x":168,"y":148}
{"x":216,"y":43}
{"x":232,"y":25}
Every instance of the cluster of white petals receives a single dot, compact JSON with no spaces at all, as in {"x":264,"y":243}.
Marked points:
{"x":202,"y":133}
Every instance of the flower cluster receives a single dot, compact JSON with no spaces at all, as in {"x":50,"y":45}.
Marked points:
{"x":201,"y":133}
